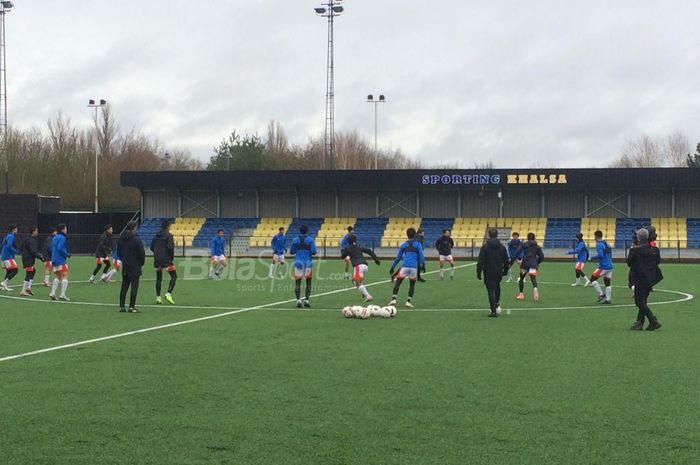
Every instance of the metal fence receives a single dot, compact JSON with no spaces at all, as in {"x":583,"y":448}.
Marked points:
{"x":85,"y":244}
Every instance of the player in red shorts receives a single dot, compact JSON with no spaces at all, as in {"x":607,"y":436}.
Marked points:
{"x":30,"y":254}
{"x":46,"y":255}
{"x":359,"y":264}
{"x":9,"y":251}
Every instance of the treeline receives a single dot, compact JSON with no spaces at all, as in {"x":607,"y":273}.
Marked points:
{"x":59,"y":159}
{"x":274,"y":152}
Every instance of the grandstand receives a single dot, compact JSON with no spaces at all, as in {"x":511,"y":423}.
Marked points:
{"x":553,"y":204}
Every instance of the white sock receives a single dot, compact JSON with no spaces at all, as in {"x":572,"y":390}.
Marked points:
{"x":46,"y":278}
{"x":608,"y":293}
{"x":597,"y":288}
{"x":54,"y":287}
{"x":29,"y":283}
{"x":452,"y":271}
{"x":442,"y":273}
{"x":25,"y":285}
{"x":363,"y":290}
{"x":272,"y":268}
{"x":111,"y":273}
{"x":64,"y":287}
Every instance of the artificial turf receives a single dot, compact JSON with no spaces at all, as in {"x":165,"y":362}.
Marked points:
{"x":549,"y":383}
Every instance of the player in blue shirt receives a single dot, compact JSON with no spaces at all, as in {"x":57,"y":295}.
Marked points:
{"x":512,"y":246}
{"x":411,"y":255}
{"x":9,"y":251}
{"x":580,"y":250}
{"x":605,"y":267}
{"x":279,"y":248}
{"x":303,"y":248}
{"x":59,"y":262}
{"x":218,"y":254}
{"x":343,"y":244}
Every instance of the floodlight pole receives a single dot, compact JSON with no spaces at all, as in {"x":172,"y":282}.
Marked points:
{"x":330,"y":10}
{"x":5,"y":7}
{"x":92,"y":104}
{"x":381,"y":99}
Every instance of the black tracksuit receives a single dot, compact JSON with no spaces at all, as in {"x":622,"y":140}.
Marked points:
{"x":356,"y":254}
{"x":104,"y":250}
{"x":133,"y":258}
{"x":444,"y":245}
{"x":493,"y":263}
{"x":163,"y":248}
{"x":532,"y":257}
{"x":46,"y":250}
{"x":645,"y":273}
{"x":30,"y":254}
{"x":421,"y":268}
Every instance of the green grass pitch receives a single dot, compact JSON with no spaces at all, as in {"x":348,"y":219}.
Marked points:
{"x":562,"y":381}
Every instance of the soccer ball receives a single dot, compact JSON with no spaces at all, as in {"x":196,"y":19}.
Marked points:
{"x":498,"y":310}
{"x":391,"y":310}
{"x":374,"y":310}
{"x":363,"y":313}
{"x":347,"y":312}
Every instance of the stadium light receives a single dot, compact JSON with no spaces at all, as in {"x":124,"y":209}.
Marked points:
{"x":330,"y":9}
{"x":370,"y":99}
{"x":5,"y":7}
{"x":101,"y":104}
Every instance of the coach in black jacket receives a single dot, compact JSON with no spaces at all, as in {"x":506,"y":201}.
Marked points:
{"x":133,"y":258}
{"x":645,"y":273}
{"x":493,"y":263}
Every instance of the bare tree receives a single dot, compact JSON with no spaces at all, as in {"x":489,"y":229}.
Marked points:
{"x":677,"y":150}
{"x":643,"y":152}
{"x":276,"y":142}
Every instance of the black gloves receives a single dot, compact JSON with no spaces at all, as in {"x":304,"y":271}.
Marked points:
{"x":377,"y":262}
{"x":478,"y":276}
{"x":391,"y":272}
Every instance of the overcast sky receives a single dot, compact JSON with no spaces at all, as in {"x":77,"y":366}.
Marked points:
{"x":521,"y":83}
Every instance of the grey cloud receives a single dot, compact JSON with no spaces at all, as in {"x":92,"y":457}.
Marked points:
{"x":559,"y":82}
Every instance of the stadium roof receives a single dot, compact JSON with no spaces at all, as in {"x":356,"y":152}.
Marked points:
{"x":625,"y":178}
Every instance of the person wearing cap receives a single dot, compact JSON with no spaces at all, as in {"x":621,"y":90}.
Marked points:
{"x":133,"y":257}
{"x":644,"y":260}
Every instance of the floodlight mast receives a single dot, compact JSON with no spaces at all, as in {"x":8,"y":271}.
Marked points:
{"x":101,"y":104}
{"x":330,"y":10}
{"x":5,"y":7}
{"x":371,"y":99}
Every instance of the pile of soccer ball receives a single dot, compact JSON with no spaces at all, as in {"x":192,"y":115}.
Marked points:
{"x":362,"y":313}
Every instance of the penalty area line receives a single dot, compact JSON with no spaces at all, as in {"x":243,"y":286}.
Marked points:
{"x":181,"y":323}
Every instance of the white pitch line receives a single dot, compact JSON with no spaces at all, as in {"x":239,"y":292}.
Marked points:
{"x":181,"y":323}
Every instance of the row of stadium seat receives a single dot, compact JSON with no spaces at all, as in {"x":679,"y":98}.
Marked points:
{"x":389,"y":232}
{"x":184,"y":230}
{"x":333,"y":229}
